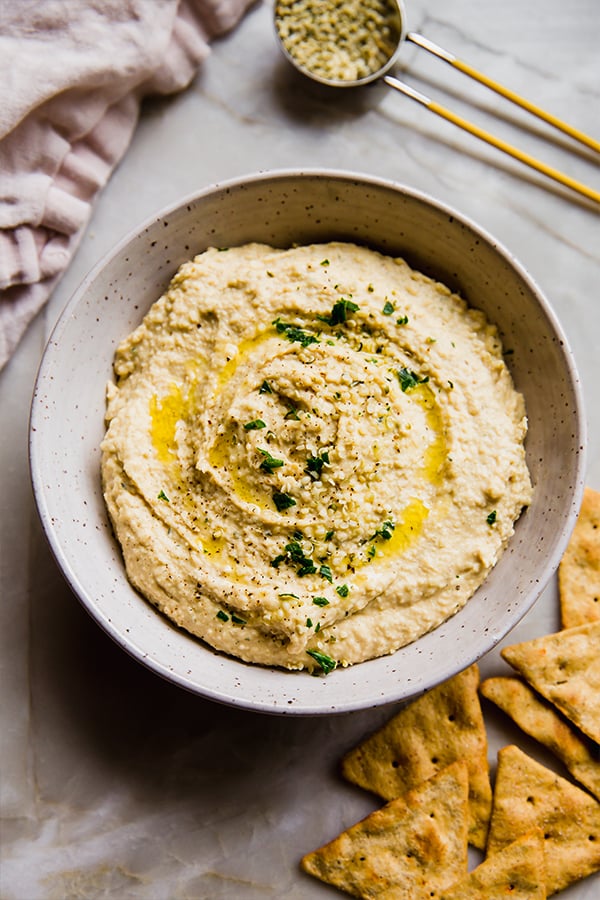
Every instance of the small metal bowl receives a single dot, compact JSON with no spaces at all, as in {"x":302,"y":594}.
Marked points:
{"x":313,"y":43}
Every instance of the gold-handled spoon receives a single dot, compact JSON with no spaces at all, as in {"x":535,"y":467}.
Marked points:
{"x":351,"y":44}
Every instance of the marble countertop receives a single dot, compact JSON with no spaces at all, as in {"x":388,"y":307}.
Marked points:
{"x":114,"y":782}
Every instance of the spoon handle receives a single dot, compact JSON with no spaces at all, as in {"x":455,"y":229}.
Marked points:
{"x":483,"y":135}
{"x":574,"y":133}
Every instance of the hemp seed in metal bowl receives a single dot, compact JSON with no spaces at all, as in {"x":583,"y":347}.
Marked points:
{"x":339,"y":42}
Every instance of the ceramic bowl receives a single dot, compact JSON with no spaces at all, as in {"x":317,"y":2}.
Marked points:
{"x":281,"y":208}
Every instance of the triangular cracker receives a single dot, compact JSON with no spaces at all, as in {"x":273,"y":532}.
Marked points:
{"x":433,"y":731}
{"x":410,"y":849}
{"x":565,"y":669}
{"x":516,"y":871}
{"x":542,"y":721}
{"x":579,"y":570}
{"x":527,"y":795}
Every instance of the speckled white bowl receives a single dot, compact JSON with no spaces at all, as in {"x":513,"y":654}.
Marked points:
{"x":67,"y":425}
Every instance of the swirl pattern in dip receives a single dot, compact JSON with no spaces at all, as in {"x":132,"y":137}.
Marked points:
{"x":313,"y":456}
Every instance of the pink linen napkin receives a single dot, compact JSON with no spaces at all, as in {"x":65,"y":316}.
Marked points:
{"x":72,"y":75}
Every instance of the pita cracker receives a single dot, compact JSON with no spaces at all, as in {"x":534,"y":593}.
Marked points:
{"x":410,"y":849}
{"x":541,"y":721}
{"x":579,"y":569}
{"x":430,"y":733}
{"x":565,"y":669}
{"x":516,"y":871}
{"x":527,"y":795}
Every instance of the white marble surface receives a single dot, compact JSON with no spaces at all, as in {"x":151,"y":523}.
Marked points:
{"x":115,"y":783}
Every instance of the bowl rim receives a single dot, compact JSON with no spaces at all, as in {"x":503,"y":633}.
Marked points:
{"x":62,"y":558}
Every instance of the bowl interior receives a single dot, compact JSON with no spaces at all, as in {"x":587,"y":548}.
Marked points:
{"x":67,"y":425}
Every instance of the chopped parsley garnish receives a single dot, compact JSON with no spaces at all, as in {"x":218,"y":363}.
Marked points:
{"x":340,"y":311}
{"x":492,"y":518}
{"x":371,"y":552}
{"x":292,"y":414}
{"x":295,"y":596}
{"x":326,"y":663}
{"x":409,"y":379}
{"x":265,"y":388}
{"x":329,"y":535}
{"x":163,"y":496}
{"x":254,"y":425}
{"x":388,"y":308}
{"x":314,"y":464}
{"x":325,"y":572}
{"x":385,"y":532}
{"x":320,"y":601}
{"x":222,"y":616}
{"x":295,"y":551}
{"x":403,"y":320}
{"x":269,"y":462}
{"x":343,"y":590}
{"x":309,"y":623}
{"x":324,"y":262}
{"x":294,"y":333}
{"x":237,"y":620}
{"x":283,"y":501}
{"x":295,"y":556}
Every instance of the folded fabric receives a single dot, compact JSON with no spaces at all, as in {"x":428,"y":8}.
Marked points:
{"x":73,"y":74}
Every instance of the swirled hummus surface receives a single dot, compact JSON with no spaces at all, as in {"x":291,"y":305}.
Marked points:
{"x":313,"y":456}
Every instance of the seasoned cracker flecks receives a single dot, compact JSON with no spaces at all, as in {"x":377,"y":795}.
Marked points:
{"x":579,"y":570}
{"x":528,"y":795}
{"x":410,"y":849}
{"x":433,"y":731}
{"x":546,"y":724}
{"x":565,"y":668}
{"x":516,"y":871}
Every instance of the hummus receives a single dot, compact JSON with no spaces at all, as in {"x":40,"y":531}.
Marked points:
{"x":313,"y":456}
